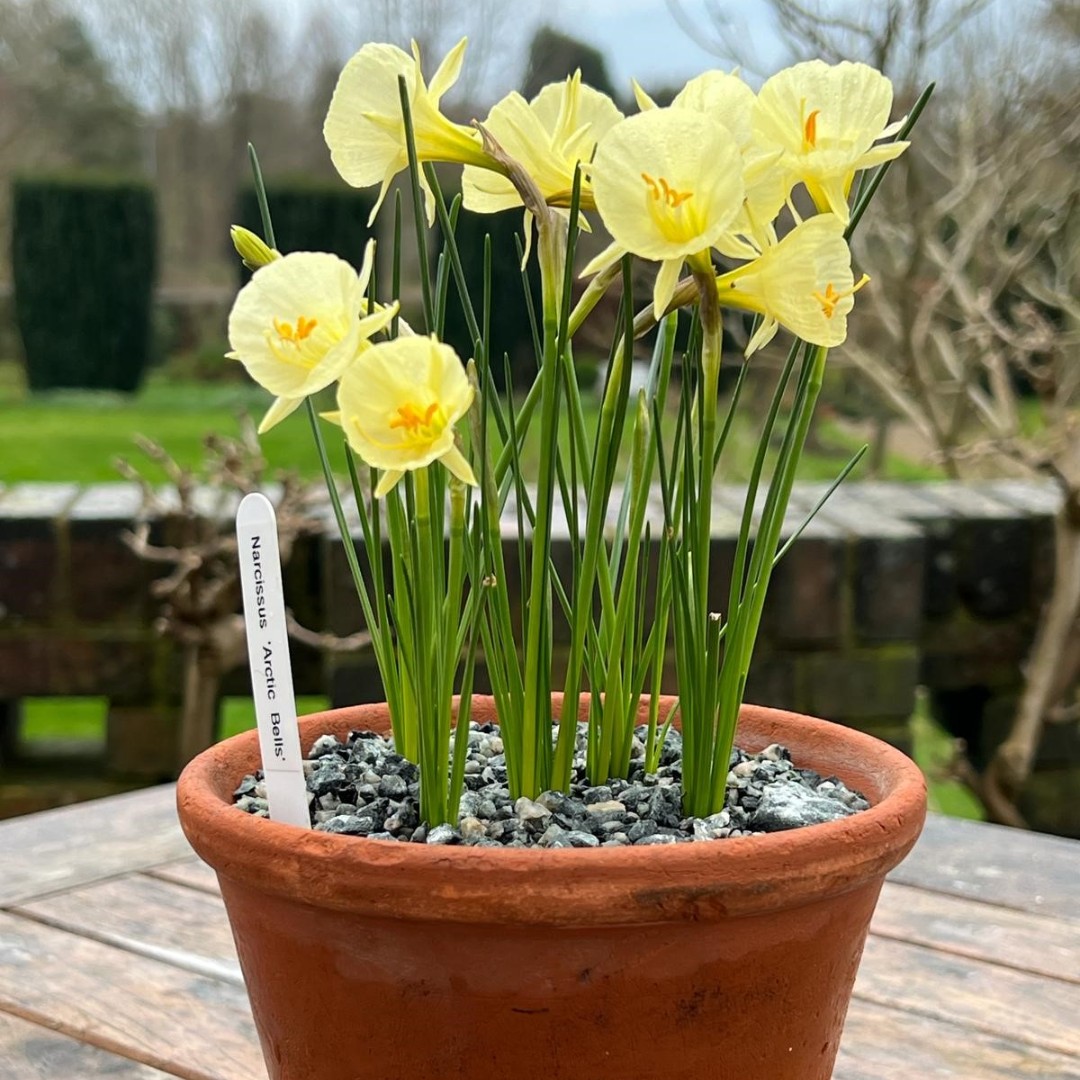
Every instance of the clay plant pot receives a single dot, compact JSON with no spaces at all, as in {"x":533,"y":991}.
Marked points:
{"x":374,"y":960}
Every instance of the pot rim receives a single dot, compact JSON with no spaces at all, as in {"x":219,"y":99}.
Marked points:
{"x":565,"y":886}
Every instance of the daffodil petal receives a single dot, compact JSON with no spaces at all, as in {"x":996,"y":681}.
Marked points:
{"x":387,"y":482}
{"x":667,"y":182}
{"x":664,"y":287}
{"x":448,"y":71}
{"x":456,"y":462}
{"x":725,"y":98}
{"x":598,"y":263}
{"x":277,"y":412}
{"x":644,"y":102}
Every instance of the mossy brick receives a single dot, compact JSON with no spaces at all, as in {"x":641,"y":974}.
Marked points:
{"x":31,"y":550}
{"x":964,"y":651}
{"x":143,"y":741}
{"x":806,"y":599}
{"x":1049,"y":803}
{"x":908,"y":503}
{"x":888,"y":563}
{"x":772,"y":681}
{"x":50,"y":665}
{"x":342,"y":612}
{"x":1040,"y":501}
{"x":302,"y":581}
{"x":993,"y":548}
{"x":109,"y":582}
{"x":895,"y":730}
{"x":875,"y":683}
{"x":1059,"y":743}
{"x":353,"y":681}
{"x":10,"y":716}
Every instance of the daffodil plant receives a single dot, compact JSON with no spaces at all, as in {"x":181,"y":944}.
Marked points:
{"x":745,"y":202}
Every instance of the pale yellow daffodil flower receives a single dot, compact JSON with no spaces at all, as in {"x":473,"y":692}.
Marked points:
{"x":726,"y":98}
{"x":299,"y":323}
{"x":804,"y":283}
{"x":668,"y":184}
{"x":548,"y":137}
{"x":826,"y":120}
{"x":364,"y":128}
{"x":398,"y":404}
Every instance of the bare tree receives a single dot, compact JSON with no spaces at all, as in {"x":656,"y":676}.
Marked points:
{"x":975,"y":317}
{"x":200,"y":595}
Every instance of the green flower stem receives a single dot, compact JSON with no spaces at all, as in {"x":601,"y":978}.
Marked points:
{"x":592,"y":566}
{"x":696,"y":657}
{"x":536,"y":718}
{"x":455,"y":625}
{"x":425,"y":667}
{"x":742,"y":632}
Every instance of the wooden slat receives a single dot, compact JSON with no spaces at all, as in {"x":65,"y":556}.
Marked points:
{"x":192,"y":872}
{"x":1011,"y":867}
{"x":184,"y":1024}
{"x":64,"y":848}
{"x":996,"y":1000}
{"x":889,"y":1044}
{"x":1035,"y":943}
{"x":177,"y":925}
{"x":31,"y":1052}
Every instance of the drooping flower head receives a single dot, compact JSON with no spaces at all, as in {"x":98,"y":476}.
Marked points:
{"x":668,"y":184}
{"x":299,"y":323}
{"x":364,"y":128}
{"x":398,"y":405}
{"x":826,"y":120}
{"x":804,"y":283}
{"x":547,"y":136}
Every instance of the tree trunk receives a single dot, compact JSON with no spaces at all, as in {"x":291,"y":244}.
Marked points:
{"x":1013,"y":760}
{"x":199,"y":710}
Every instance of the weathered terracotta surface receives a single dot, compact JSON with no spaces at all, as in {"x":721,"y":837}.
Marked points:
{"x":371,"y":960}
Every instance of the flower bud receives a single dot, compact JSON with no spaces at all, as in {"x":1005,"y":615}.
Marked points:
{"x":253,"y":250}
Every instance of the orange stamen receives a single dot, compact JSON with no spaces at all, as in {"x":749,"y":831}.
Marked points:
{"x":830,"y":297}
{"x":303,"y":329}
{"x":410,"y":418}
{"x":672,"y":198}
{"x":810,"y":129}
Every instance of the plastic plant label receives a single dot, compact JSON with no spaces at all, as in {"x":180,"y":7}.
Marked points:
{"x":268,"y":655}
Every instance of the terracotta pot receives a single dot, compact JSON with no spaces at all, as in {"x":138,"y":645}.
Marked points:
{"x":372,"y":960}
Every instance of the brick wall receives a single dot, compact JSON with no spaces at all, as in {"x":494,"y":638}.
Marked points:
{"x":893,"y":586}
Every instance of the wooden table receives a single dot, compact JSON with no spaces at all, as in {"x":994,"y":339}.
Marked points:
{"x":116,"y":959}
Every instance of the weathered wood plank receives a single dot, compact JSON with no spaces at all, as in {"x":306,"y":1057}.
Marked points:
{"x":182,"y":1023}
{"x":889,"y":1044}
{"x":164,"y":921}
{"x":61,"y":849}
{"x":1035,"y":943}
{"x":1011,"y":867}
{"x":31,"y":1052}
{"x":999,"y":1001}
{"x":192,"y":872}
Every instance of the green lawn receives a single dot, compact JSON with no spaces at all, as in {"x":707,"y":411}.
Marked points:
{"x":77,"y":436}
{"x":69,"y":435}
{"x":83,"y":720}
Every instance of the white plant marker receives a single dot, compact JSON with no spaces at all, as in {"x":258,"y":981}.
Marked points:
{"x":268,"y":655}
